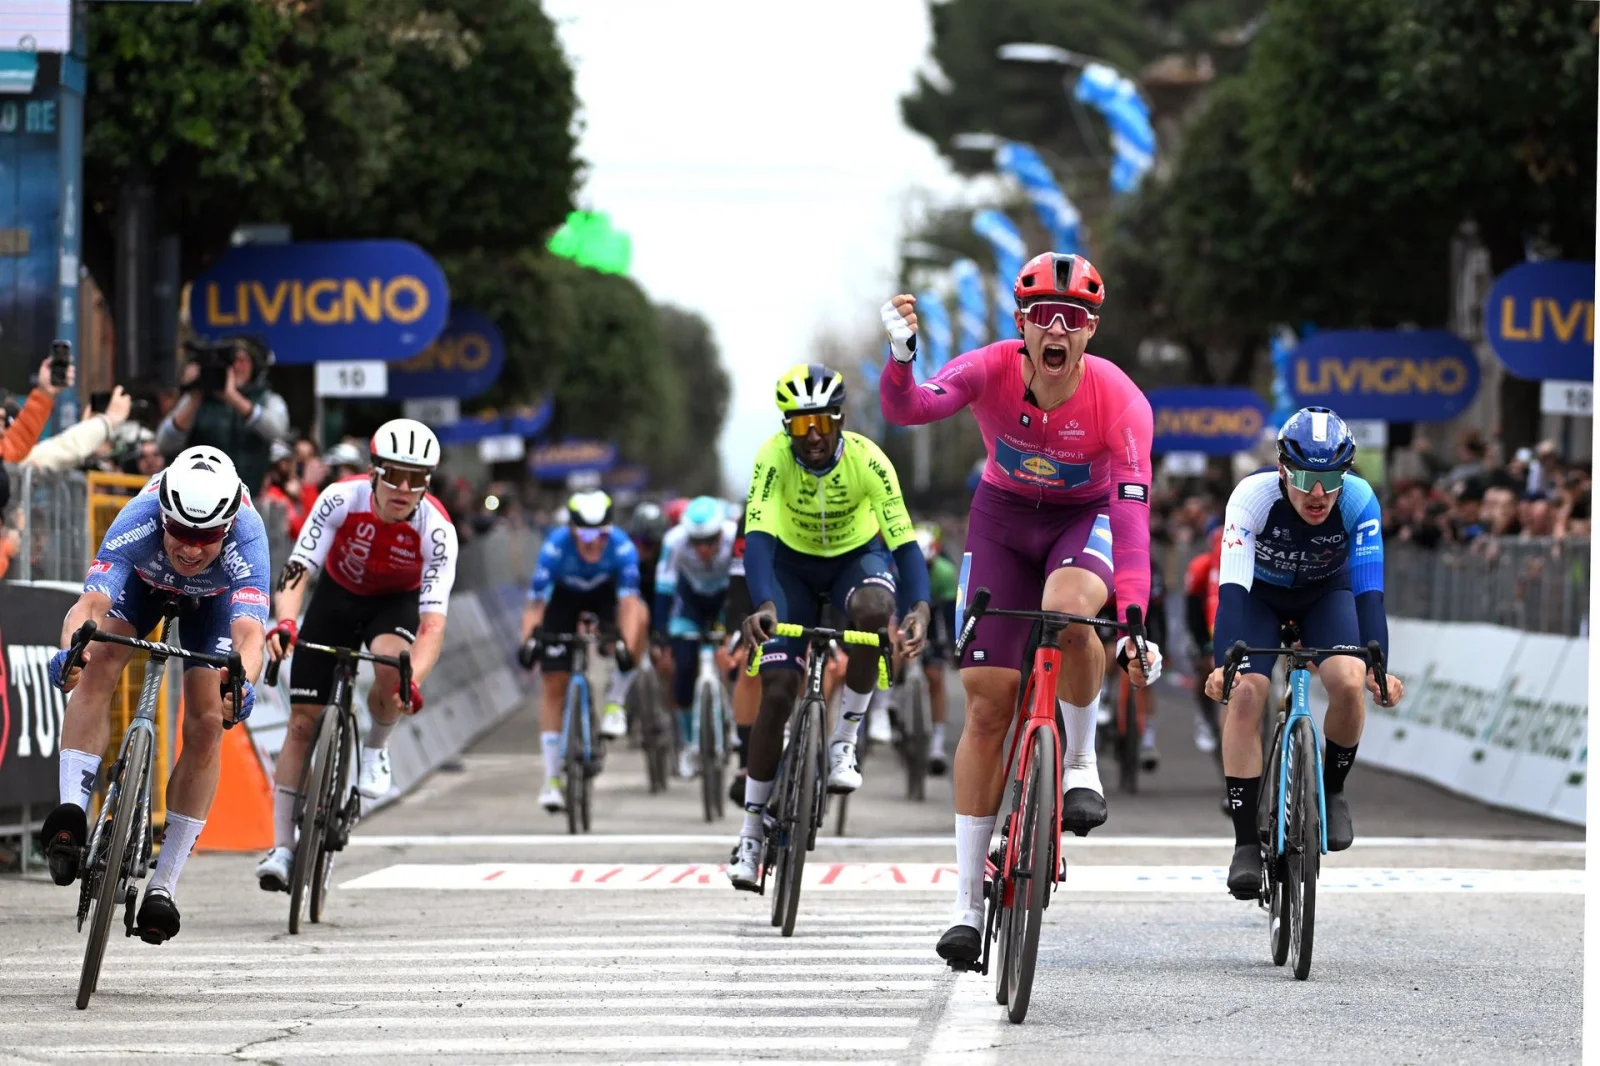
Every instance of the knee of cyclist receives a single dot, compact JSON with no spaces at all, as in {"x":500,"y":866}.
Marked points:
{"x":1342,"y":676}
{"x":202,"y":720}
{"x":871,"y":608}
{"x":779,"y":688}
{"x":1249,"y":694}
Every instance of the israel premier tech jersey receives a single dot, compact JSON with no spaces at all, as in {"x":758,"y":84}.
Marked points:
{"x":560,"y":565}
{"x":1264,"y":539}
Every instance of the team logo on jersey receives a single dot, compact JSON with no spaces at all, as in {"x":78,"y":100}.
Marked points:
{"x":1231,"y":537}
{"x":1038,"y":464}
{"x":933,"y":387}
{"x":253,"y":597}
{"x":1129,"y":490}
{"x":99,"y":566}
{"x":1025,"y":419}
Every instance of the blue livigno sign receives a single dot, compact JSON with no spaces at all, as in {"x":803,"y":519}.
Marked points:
{"x":1394,"y":375}
{"x":1539,"y":318}
{"x":325,"y":300}
{"x":463,"y":361}
{"x":553,"y":461}
{"x":1213,"y":420}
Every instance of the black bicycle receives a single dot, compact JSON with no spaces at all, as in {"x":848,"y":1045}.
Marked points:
{"x":799,"y":795}
{"x":1292,"y":814}
{"x":118,"y":852}
{"x":329,"y":805}
{"x":581,"y":740}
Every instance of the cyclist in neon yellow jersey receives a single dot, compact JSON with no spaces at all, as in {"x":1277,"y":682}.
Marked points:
{"x":824,"y":515}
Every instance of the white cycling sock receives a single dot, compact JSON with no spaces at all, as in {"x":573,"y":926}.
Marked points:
{"x":756,"y":794}
{"x":176,"y":843}
{"x":76,"y":776}
{"x":550,"y":743}
{"x":283,"y":801}
{"x":852,"y":706}
{"x":1078,"y":736}
{"x":377,"y":737}
{"x":617,"y":690}
{"x":936,"y":742}
{"x":972,"y":848}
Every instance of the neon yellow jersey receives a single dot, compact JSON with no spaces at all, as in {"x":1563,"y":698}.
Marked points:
{"x":832,"y":514}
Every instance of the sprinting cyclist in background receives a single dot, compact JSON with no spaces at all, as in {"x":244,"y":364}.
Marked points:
{"x":190,"y":533}
{"x":691,"y":588}
{"x":1283,"y":559}
{"x":942,"y":582}
{"x":588,"y":566}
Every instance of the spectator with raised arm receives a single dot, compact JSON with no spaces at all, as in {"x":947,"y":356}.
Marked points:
{"x":21,"y":431}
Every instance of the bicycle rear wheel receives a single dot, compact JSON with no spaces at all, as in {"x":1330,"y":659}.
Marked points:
{"x":1128,"y":740}
{"x":916,"y":738}
{"x":711,"y":795}
{"x":106,"y":894}
{"x":316,"y":788}
{"x":573,"y":769}
{"x":801,"y":818}
{"x":338,"y":800}
{"x":1304,"y":839}
{"x":655,"y":728}
{"x":1035,"y":872}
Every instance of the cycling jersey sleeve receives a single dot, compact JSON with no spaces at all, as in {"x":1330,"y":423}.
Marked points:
{"x":1127,"y":440}
{"x":667,"y":576}
{"x":759,"y":549}
{"x":627,"y":566}
{"x":326,"y":516}
{"x":959,"y":382}
{"x":1363,"y":520}
{"x":543,"y":581}
{"x":136,"y":527}
{"x":249,"y":569}
{"x":439,"y":571}
{"x":1243,"y":519}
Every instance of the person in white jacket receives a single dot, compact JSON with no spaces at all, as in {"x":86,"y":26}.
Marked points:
{"x":75,"y":445}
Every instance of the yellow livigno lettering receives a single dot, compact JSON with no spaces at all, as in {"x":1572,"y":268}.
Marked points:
{"x":1388,"y":376}
{"x":1208,"y":422}
{"x":467,"y":351}
{"x":1528,"y":322}
{"x":323,"y":302}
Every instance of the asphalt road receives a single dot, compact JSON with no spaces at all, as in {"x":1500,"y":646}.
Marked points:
{"x":468,"y":928}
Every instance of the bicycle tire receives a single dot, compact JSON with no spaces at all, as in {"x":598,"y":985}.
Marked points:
{"x":135,"y":764}
{"x":1305,"y":854}
{"x":1279,"y":895}
{"x":654,"y":729}
{"x":1128,"y":740}
{"x":338,"y":798}
{"x":572,"y":766}
{"x":916,"y":740}
{"x":804,"y":825}
{"x":1036,"y":855}
{"x":775,"y":858}
{"x":313,"y":814}
{"x":710,"y":768}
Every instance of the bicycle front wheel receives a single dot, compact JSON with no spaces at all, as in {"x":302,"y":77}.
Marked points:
{"x":335,"y":805}
{"x":1035,"y":872}
{"x":574,"y":770}
{"x":915,"y":740}
{"x":1304,"y":839}
{"x":1280,"y":895}
{"x":710,"y":766}
{"x":316,"y":787}
{"x":1128,"y":740}
{"x":106,"y":894}
{"x":800,"y":820}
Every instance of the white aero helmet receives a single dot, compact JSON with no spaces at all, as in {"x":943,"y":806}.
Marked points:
{"x":201,"y":489}
{"x":407,"y":442}
{"x":702,"y":519}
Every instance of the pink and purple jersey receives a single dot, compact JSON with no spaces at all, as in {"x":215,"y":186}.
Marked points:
{"x":1092,"y":450}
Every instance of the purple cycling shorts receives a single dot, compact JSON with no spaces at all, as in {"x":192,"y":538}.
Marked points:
{"x":1015,"y":545}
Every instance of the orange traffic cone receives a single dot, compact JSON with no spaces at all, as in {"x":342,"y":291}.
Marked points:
{"x":241,"y":814}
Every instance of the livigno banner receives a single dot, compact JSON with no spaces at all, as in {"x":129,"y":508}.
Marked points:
{"x":30,"y":210}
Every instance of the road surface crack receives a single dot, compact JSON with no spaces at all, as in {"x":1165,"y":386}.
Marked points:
{"x":286,"y":1031}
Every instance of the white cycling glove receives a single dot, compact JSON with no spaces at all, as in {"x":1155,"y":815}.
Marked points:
{"x":1126,"y":651}
{"x":902,"y":338}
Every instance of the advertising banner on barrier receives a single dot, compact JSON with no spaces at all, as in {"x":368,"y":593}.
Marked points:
{"x":522,"y":422}
{"x":1215,"y":421}
{"x":463,"y":361}
{"x":31,"y":709}
{"x":1539,"y":319}
{"x":322,"y":301}
{"x":1425,"y":375}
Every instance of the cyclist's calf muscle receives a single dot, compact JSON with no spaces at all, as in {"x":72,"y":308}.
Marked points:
{"x":779,"y":691}
{"x":87,"y":723}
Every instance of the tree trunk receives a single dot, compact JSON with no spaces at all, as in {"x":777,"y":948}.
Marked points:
{"x":1519,"y":398}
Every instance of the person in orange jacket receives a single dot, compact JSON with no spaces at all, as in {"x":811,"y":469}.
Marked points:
{"x":23,"y":432}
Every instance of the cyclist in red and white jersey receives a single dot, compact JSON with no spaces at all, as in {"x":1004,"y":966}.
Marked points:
{"x":1061,"y":519}
{"x":387,"y":550}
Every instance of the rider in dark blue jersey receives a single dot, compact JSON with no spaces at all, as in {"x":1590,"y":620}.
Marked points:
{"x":1303,"y":542}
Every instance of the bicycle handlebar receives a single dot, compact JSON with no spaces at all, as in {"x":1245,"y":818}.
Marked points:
{"x":1372,"y":654}
{"x":401,"y":662}
{"x":979,"y":608}
{"x":817,"y":635}
{"x":89,"y":632}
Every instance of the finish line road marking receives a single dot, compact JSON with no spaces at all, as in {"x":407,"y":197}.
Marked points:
{"x":940,"y":877}
{"x":545,"y":840}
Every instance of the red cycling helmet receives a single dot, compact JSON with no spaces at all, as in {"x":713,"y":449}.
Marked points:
{"x":1053,"y":274}
{"x":674,"y":510}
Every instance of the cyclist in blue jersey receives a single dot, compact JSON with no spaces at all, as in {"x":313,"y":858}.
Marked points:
{"x":587,"y":566}
{"x":1303,"y":542}
{"x":191,"y":534}
{"x":691,"y":587}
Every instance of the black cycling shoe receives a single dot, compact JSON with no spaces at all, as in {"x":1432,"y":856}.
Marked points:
{"x":961,"y":944}
{"x":61,"y":838}
{"x":736,"y":788}
{"x":1340,"y":832}
{"x":1244,"y":873}
{"x":158,"y":918}
{"x":1082,"y":809}
{"x":937,"y":765}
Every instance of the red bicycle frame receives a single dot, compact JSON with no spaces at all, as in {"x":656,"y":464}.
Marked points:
{"x":1039,"y":708}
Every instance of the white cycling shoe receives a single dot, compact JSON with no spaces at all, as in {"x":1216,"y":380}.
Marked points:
{"x":614,"y":723}
{"x":273,"y":871}
{"x":376,"y":776}
{"x":744,"y":870}
{"x":879,"y":729}
{"x":688,"y":763}
{"x":843,"y":776}
{"x":552,"y":797}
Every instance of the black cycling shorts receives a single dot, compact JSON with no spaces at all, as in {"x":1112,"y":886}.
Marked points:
{"x":335,"y":617}
{"x":737,"y":607}
{"x":561,"y":616}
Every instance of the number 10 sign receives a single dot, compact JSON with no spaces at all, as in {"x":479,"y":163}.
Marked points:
{"x":366,"y":378}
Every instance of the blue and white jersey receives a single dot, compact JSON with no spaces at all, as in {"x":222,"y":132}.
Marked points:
{"x":681,"y":563}
{"x":1266,"y":540}
{"x":560,"y":565}
{"x":133,"y":546}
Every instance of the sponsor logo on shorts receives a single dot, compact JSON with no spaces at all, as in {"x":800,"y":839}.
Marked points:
{"x":772,"y":657}
{"x":1133,"y":491}
{"x":1067,"y":561}
{"x":302,"y":693}
{"x":404,"y":632}
{"x":979,"y":655}
{"x":252,"y":596}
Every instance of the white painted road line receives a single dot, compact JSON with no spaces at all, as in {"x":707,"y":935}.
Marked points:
{"x":250,"y":968}
{"x":471,"y":986}
{"x":968,"y":1033}
{"x":938,"y":877}
{"x":546,"y":840}
{"x":271,"y":1007}
{"x":377,"y":1050}
{"x":313,"y":1024}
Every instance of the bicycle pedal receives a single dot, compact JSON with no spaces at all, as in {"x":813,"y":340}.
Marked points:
{"x":965,"y":966}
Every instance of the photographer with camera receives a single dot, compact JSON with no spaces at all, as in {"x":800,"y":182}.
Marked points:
{"x":227,"y":405}
{"x":21,"y":427}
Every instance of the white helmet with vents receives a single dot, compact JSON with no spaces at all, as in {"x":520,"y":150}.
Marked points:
{"x":407,"y":442}
{"x":201,"y":489}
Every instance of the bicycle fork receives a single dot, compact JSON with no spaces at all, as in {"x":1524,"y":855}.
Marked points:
{"x":1300,"y":684}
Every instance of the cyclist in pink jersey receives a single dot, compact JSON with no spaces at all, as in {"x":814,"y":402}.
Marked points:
{"x":1060,"y":519}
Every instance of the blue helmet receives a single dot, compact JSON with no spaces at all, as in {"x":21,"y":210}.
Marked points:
{"x":1315,"y":438}
{"x":703,"y":518}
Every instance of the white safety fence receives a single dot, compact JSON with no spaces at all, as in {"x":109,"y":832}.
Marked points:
{"x":1497,"y":714}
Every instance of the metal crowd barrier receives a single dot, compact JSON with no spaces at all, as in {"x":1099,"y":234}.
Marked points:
{"x":1538,"y":584}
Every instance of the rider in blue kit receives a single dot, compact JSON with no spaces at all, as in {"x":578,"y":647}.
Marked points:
{"x":1283,"y":559}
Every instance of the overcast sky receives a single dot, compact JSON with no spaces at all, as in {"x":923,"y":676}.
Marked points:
{"x":755,"y":154}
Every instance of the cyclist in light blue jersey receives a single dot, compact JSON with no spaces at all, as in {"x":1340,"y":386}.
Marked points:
{"x":1303,"y":542}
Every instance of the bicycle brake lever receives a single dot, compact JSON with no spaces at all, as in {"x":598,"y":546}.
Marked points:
{"x":405,"y":680}
{"x":234,"y":687}
{"x":969,"y":624}
{"x":1379,"y":674}
{"x":1230,"y":667}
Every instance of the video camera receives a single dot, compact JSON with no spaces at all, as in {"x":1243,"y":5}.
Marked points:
{"x":216,"y":358}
